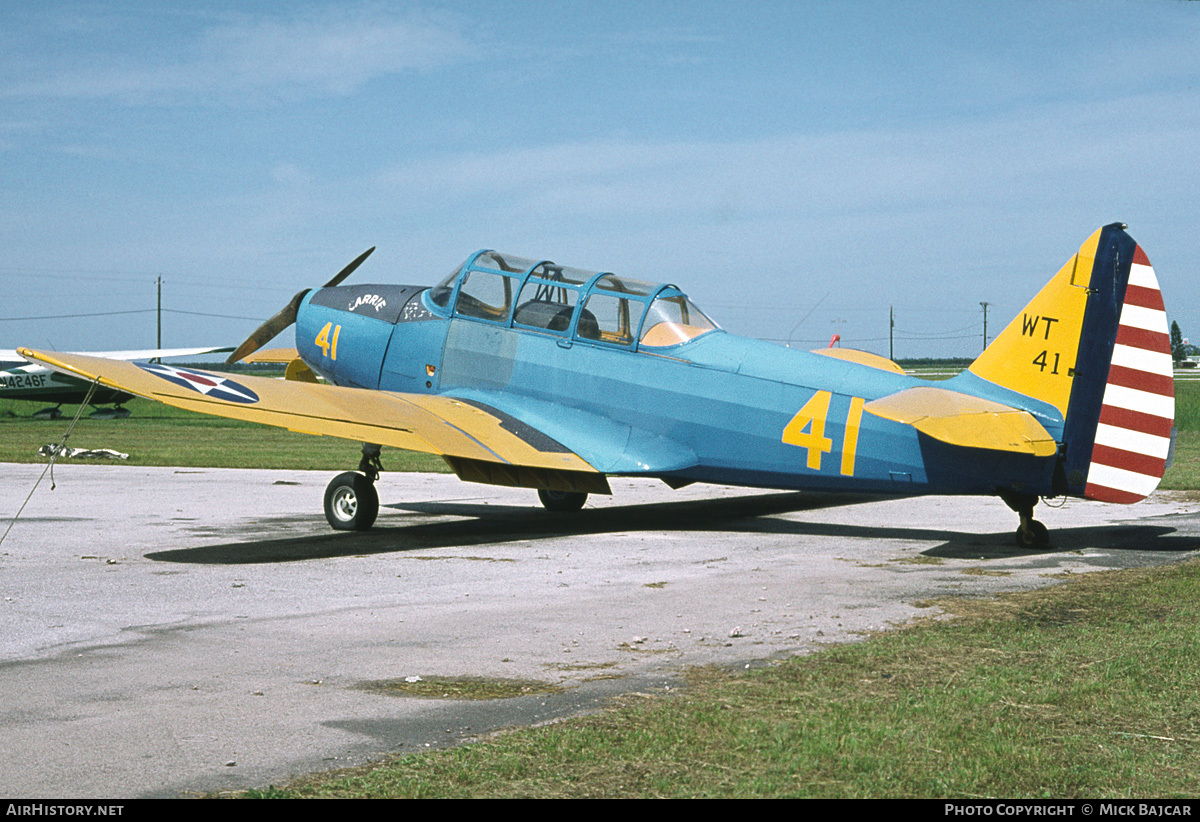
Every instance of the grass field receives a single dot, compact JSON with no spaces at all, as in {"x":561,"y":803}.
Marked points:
{"x":1085,"y":689}
{"x":158,"y":434}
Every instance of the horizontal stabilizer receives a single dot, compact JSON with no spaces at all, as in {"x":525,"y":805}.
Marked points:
{"x":965,"y":420}
{"x":860,"y":357}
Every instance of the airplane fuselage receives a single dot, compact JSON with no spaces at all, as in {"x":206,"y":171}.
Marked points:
{"x":26,"y":382}
{"x":719,"y":408}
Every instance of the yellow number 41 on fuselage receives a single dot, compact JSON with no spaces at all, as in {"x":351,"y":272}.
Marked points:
{"x":807,"y":430}
{"x":327,"y":345}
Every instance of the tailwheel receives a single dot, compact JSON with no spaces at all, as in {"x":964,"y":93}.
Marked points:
{"x":1032,"y":535}
{"x":563,"y":501}
{"x":351,"y":502}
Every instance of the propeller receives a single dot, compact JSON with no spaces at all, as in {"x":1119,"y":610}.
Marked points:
{"x":287,"y":315}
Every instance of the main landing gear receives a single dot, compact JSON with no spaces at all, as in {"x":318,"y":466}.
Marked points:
{"x":1031,"y":534}
{"x":562,"y":501}
{"x":351,"y":501}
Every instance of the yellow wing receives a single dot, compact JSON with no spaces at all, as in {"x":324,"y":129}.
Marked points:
{"x":277,"y":355}
{"x":455,"y":429}
{"x":961,"y":419}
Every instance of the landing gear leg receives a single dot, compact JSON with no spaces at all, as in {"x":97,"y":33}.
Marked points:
{"x":351,"y":501}
{"x":370,"y":464}
{"x":1031,"y":534}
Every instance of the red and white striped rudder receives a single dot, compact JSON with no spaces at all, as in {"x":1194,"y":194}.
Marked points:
{"x":1137,"y":413}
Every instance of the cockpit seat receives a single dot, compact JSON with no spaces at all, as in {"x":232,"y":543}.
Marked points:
{"x":554,"y":316}
{"x":544,"y":314}
{"x":667,"y":333}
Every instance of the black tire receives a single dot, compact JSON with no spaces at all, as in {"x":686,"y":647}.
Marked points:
{"x":351,"y":502}
{"x":1034,"y":537}
{"x":562,"y":501}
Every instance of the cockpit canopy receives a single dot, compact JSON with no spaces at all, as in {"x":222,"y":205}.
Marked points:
{"x":570,"y":302}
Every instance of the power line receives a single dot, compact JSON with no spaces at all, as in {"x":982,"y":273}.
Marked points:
{"x":75,"y":316}
{"x":114,"y":313}
{"x":202,"y":314}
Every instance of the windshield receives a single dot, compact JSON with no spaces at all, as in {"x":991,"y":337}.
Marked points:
{"x":672,"y":320}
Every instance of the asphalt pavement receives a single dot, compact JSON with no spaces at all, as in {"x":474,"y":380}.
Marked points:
{"x":166,"y":632}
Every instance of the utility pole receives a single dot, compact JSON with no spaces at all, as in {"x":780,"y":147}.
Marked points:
{"x":985,"y":307}
{"x":159,"y":345}
{"x":892,"y":333}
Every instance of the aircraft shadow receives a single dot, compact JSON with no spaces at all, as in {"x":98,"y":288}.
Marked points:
{"x":490,"y":524}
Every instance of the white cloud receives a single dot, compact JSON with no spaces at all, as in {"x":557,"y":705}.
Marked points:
{"x":330,"y":51}
{"x":334,"y":52}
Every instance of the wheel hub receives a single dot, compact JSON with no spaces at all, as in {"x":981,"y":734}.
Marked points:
{"x":345,"y":504}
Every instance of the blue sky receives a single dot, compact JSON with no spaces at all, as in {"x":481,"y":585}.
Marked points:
{"x":798,"y":168}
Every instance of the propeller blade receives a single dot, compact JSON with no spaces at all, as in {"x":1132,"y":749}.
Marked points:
{"x":268,"y":330}
{"x":287,"y":315}
{"x":348,"y":270}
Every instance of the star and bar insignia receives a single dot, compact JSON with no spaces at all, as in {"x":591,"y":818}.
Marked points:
{"x":211,"y":385}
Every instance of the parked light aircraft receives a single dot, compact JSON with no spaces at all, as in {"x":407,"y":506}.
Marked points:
{"x":22,"y":380}
{"x":526,"y":373}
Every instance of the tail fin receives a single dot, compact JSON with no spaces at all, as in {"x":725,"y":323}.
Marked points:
{"x":1094,"y":344}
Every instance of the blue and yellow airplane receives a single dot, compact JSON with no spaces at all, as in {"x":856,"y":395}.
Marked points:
{"x":523,"y":372}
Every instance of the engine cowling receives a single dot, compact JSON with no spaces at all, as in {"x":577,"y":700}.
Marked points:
{"x":344,"y":332}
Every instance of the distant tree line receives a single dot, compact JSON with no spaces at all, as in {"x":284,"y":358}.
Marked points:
{"x":934,"y":362}
{"x":1181,"y":349}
